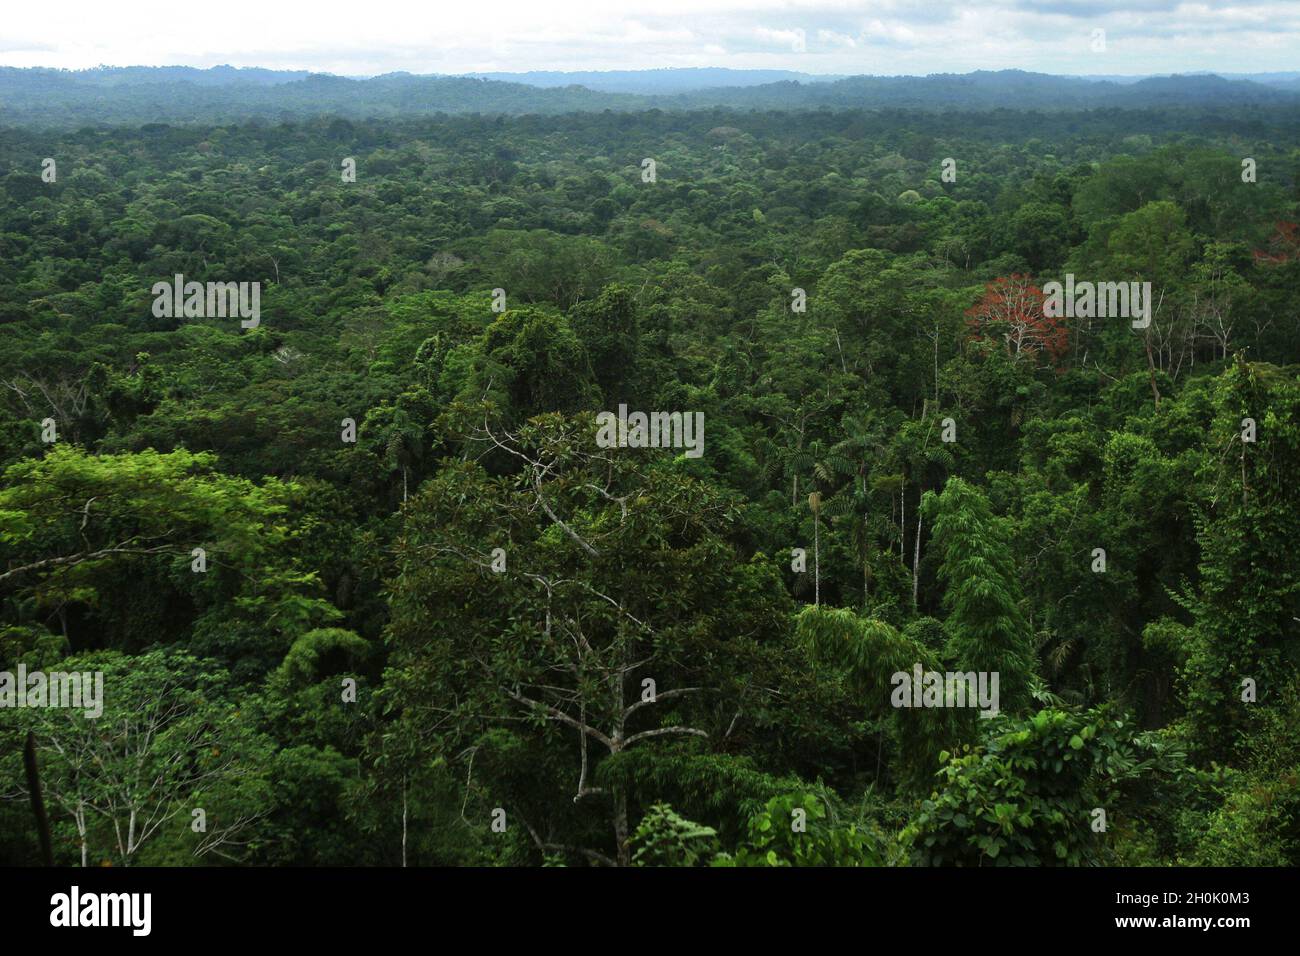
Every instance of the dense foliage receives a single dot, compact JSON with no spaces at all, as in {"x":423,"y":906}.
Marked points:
{"x":477,"y":636}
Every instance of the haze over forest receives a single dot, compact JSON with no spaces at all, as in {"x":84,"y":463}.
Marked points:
{"x":225,"y":94}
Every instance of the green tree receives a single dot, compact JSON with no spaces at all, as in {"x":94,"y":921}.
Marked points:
{"x":983,"y":596}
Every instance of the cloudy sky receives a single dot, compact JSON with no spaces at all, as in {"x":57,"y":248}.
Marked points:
{"x":366,"y":37}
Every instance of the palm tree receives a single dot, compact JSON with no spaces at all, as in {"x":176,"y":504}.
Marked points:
{"x":862,"y":444}
{"x":403,"y":446}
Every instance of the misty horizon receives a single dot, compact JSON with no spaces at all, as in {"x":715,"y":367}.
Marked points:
{"x":814,"y":37}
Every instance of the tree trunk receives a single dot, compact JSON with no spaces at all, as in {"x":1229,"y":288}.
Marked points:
{"x":916,"y":558}
{"x":936,"y":367}
{"x":817,"y":561}
{"x":902,"y":522}
{"x":80,"y":818}
{"x":620,"y":827}
{"x":866,"y":564}
{"x":38,"y":804}
{"x":1151,"y":369}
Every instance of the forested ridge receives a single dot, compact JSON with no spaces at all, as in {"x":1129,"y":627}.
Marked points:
{"x":182,"y":95}
{"x":475,"y":635}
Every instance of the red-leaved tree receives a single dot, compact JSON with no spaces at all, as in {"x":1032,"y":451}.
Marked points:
{"x":1011,"y":311}
{"x":1283,"y":246}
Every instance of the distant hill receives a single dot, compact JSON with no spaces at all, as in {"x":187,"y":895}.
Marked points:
{"x":650,"y":82}
{"x":171,"y":95}
{"x":1270,"y":79}
{"x":147,"y":75}
{"x":138,"y":95}
{"x":1004,"y":89}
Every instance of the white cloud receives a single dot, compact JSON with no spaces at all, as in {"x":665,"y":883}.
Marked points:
{"x":831,"y":36}
{"x":836,"y":39}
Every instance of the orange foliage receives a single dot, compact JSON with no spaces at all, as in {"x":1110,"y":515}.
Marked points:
{"x":1284,"y":246}
{"x":1011,"y":310}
